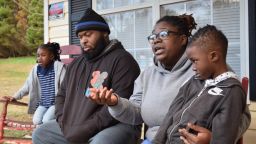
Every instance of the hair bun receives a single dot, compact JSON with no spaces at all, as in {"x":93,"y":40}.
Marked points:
{"x":56,"y":45}
{"x":190,"y":21}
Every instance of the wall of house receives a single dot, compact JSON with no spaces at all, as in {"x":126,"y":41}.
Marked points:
{"x":131,"y":23}
{"x":57,"y":29}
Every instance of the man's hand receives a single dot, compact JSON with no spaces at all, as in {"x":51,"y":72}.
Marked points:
{"x":103,"y":96}
{"x":203,"y":136}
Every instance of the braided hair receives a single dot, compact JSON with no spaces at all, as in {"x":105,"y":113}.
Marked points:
{"x":184,"y":23}
{"x":209,"y":35}
{"x":54,"y":48}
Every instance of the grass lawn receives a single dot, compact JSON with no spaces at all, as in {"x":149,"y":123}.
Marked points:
{"x":13,"y":73}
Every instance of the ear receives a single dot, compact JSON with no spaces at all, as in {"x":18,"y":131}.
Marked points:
{"x":214,"y":56}
{"x":188,"y":51}
{"x":105,"y":35}
{"x":184,"y":40}
{"x":52,"y":57}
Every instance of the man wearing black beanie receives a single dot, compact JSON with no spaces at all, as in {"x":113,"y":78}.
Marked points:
{"x":104,"y":63}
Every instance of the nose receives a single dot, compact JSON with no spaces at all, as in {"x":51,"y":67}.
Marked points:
{"x":157,"y":40}
{"x":38,"y":59}
{"x":83,"y":40}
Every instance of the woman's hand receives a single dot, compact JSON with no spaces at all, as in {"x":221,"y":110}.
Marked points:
{"x":203,"y":135}
{"x":103,"y":96}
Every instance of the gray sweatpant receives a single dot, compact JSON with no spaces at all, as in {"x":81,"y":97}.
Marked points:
{"x":50,"y":133}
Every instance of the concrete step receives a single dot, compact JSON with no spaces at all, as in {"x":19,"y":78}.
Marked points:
{"x":249,"y":137}
{"x":253,"y":121}
{"x":252,"y":106}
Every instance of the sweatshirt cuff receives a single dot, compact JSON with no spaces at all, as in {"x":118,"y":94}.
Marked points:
{"x":117,"y":109}
{"x":17,"y":97}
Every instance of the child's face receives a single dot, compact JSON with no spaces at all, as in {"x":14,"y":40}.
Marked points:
{"x":201,"y":62}
{"x":44,"y":57}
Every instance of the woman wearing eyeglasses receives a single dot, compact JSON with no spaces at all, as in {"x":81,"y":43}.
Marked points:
{"x":158,"y":85}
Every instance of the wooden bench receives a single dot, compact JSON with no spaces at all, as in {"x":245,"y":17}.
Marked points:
{"x":69,"y":52}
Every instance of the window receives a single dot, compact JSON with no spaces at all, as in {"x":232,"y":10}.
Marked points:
{"x":108,"y":4}
{"x":131,"y":25}
{"x":226,"y":16}
{"x":132,"y":28}
{"x":221,"y":13}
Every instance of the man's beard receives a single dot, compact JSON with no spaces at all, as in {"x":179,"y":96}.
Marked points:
{"x":92,"y":53}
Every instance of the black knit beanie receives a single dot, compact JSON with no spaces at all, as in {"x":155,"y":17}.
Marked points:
{"x":92,"y":21}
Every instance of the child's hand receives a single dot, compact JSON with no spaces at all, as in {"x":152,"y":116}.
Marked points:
{"x":203,"y":135}
{"x":103,"y":96}
{"x":9,"y":98}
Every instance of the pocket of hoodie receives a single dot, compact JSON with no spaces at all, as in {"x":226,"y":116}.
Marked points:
{"x":190,"y":118}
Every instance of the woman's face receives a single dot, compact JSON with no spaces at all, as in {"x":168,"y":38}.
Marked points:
{"x":168,"y":43}
{"x":44,"y":57}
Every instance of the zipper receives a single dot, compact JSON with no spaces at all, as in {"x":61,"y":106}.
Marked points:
{"x":220,"y":78}
{"x":175,"y":126}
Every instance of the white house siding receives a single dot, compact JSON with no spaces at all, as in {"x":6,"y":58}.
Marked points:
{"x":58,"y":29}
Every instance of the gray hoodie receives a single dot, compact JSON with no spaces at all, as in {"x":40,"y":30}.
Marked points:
{"x":154,"y":90}
{"x":218,"y":106}
{"x":32,"y":85}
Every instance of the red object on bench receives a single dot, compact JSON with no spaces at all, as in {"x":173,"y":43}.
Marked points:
{"x":69,"y":52}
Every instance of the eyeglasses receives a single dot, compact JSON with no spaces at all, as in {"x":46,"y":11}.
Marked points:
{"x":162,"y":35}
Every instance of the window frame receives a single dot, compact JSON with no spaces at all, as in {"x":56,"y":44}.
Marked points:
{"x":155,"y":5}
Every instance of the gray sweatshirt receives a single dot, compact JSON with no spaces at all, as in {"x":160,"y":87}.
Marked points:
{"x":32,"y":86}
{"x":153,"y":93}
{"x":218,"y":106}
